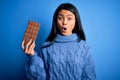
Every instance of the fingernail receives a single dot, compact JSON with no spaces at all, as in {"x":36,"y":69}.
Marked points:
{"x":30,"y":39}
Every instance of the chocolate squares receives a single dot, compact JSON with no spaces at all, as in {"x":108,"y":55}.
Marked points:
{"x":31,"y":32}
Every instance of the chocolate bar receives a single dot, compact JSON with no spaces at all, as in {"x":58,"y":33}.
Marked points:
{"x":31,"y":31}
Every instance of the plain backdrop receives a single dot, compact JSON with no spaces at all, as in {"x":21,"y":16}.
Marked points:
{"x":100,"y":20}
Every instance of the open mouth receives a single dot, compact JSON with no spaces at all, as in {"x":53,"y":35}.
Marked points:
{"x":65,"y":28}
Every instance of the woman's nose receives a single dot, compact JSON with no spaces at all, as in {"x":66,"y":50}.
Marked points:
{"x":64,"y":21}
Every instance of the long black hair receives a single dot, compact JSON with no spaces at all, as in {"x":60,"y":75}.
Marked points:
{"x":78,"y":26}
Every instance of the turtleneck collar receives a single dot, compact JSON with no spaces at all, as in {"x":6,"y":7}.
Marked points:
{"x":68,"y":38}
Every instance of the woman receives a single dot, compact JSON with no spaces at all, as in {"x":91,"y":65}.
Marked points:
{"x":65,"y":54}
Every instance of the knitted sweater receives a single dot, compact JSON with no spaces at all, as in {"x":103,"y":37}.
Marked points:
{"x":65,"y":59}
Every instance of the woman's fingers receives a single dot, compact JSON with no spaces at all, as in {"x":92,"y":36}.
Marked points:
{"x":27,"y":46}
{"x":23,"y":45}
{"x":31,"y":48}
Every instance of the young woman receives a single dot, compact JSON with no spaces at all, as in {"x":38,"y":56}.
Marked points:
{"x":65,"y":55}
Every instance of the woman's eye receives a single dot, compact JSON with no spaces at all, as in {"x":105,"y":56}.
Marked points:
{"x":59,"y":18}
{"x":69,"y":18}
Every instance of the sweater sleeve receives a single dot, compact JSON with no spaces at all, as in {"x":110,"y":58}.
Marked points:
{"x":89,"y":67}
{"x":35,"y":68}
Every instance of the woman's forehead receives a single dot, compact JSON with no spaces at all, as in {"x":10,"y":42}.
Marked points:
{"x":65,"y":12}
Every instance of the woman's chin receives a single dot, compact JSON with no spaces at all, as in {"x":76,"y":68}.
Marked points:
{"x":66,"y":33}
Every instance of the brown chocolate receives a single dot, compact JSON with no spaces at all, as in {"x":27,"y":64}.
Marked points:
{"x":31,"y":31}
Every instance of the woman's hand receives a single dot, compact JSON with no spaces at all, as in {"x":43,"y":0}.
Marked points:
{"x":28,"y":48}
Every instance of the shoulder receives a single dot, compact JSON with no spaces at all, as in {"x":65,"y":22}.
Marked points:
{"x":46,"y":44}
{"x":83,"y":44}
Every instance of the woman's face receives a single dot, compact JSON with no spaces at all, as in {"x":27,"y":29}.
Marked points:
{"x":66,"y":22}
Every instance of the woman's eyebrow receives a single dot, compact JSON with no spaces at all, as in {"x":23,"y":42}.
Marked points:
{"x":69,"y":15}
{"x":60,"y":14}
{"x":66,"y":15}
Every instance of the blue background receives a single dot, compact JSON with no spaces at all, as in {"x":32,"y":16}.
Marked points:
{"x":100,"y":20}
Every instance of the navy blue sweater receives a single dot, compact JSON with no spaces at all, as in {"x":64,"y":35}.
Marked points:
{"x":65,"y":59}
